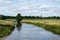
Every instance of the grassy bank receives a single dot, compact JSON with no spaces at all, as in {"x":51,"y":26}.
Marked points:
{"x":7,"y":23}
{"x":48,"y":24}
{"x":5,"y":30}
{"x":6,"y":27}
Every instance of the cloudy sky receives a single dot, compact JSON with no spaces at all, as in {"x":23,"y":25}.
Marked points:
{"x":30,"y":7}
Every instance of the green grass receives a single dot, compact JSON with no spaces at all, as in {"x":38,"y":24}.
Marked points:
{"x":5,"y":30}
{"x":12,"y":20}
{"x":48,"y":24}
{"x":6,"y":27}
{"x":7,"y":23}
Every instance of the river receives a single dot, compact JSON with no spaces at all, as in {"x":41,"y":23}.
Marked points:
{"x":30,"y":32}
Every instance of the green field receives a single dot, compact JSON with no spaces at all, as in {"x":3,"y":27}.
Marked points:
{"x":48,"y":24}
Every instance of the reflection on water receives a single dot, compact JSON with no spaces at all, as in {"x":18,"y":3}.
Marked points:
{"x":31,"y":32}
{"x":18,"y":26}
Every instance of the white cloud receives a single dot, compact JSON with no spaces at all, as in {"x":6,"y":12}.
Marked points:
{"x":8,"y":6}
{"x":55,"y":0}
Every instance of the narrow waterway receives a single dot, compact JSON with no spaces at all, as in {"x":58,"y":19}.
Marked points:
{"x":30,"y":32}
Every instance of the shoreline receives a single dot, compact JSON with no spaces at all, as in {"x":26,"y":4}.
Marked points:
{"x":6,"y":27}
{"x":7,"y":23}
{"x":53,"y":28}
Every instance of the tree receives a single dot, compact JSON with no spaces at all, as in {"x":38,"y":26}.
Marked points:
{"x":2,"y":17}
{"x":18,"y":18}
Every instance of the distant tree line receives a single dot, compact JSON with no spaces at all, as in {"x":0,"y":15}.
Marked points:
{"x":37,"y":17}
{"x":2,"y":17}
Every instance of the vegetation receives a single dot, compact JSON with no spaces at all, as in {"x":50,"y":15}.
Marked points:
{"x":48,"y":24}
{"x":28,"y":17}
{"x":40,"y":17}
{"x":7,"y":23}
{"x":2,"y":17}
{"x":18,"y":18}
{"x":5,"y":30}
{"x":6,"y":27}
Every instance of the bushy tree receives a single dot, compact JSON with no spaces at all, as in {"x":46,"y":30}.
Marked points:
{"x":18,"y":18}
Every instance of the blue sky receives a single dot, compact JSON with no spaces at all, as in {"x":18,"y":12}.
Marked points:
{"x":30,"y":7}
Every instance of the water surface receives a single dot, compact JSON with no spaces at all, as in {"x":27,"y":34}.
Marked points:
{"x":30,"y":32}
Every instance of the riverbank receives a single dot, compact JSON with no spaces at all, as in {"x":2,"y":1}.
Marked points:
{"x":6,"y":27}
{"x":7,"y":23}
{"x":48,"y":24}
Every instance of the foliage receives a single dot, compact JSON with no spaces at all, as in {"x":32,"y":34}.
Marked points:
{"x":38,"y":17}
{"x":18,"y":17}
{"x":2,"y":17}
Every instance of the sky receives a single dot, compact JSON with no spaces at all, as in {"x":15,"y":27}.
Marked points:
{"x":30,"y":7}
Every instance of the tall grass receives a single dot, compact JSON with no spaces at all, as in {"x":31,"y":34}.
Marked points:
{"x":5,"y":30}
{"x":6,"y":27}
{"x":7,"y":23}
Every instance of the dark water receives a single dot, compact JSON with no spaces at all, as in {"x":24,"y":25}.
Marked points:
{"x":30,"y":32}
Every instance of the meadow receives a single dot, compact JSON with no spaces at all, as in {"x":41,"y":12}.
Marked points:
{"x":48,"y":24}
